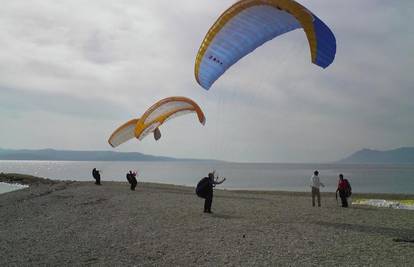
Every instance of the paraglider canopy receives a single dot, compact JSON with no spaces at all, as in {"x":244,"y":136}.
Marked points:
{"x":153,"y":118}
{"x":250,"y":23}
{"x":123,"y":133}
{"x":164,"y":110}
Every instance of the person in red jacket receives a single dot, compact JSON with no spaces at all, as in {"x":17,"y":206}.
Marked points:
{"x":344,"y":189}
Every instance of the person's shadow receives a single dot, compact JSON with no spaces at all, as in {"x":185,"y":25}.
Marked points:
{"x":225,"y":217}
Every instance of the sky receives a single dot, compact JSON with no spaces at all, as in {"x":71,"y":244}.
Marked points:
{"x":72,"y":71}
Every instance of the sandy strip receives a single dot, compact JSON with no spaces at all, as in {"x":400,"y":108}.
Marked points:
{"x":79,"y":223}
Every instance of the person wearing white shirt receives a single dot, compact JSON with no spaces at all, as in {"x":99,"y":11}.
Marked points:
{"x":315,"y":185}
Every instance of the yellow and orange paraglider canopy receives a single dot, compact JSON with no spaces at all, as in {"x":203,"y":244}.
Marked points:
{"x":154,"y":117}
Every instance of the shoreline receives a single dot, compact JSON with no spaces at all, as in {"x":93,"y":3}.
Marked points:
{"x":368,"y":179}
{"x":23,"y":179}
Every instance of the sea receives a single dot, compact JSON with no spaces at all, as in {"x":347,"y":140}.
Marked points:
{"x":364,"y":178}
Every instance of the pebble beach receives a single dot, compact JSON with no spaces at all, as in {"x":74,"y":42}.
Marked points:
{"x":79,"y":223}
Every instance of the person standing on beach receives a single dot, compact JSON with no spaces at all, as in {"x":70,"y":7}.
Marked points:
{"x":344,"y":189}
{"x":315,"y":185}
{"x":97,"y":176}
{"x":204,"y":190}
{"x":132,"y":179}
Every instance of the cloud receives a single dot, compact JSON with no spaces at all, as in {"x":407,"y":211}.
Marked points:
{"x":86,"y":67}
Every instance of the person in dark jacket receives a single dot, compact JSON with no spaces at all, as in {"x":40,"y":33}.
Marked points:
{"x":132,"y":179}
{"x":97,"y":176}
{"x":204,"y":190}
{"x":344,"y":189}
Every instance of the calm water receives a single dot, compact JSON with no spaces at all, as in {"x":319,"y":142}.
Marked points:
{"x":266,"y":176}
{"x":5,"y":187}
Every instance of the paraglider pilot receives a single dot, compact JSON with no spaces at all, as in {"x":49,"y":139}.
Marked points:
{"x":205,"y":187}
{"x":132,"y":179}
{"x":344,"y":189}
{"x":315,"y":185}
{"x":97,"y":176}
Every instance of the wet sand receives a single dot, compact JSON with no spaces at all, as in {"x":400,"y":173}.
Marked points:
{"x":79,"y":223}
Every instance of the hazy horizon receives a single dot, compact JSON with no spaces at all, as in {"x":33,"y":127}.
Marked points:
{"x":71,"y":72}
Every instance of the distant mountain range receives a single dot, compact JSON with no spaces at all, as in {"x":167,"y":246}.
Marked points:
{"x":73,"y":155}
{"x":399,"y":155}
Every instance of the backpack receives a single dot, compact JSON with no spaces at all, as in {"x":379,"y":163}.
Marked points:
{"x":128,"y":176}
{"x":348,"y":188}
{"x":94,"y":175}
{"x":202,"y":186}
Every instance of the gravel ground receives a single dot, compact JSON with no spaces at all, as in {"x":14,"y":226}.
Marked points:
{"x":79,"y":223}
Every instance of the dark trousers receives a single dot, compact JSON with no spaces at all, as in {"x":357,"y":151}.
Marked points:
{"x":208,"y":201}
{"x":343,"y":196}
{"x":98,"y":179}
{"x":133,"y":185}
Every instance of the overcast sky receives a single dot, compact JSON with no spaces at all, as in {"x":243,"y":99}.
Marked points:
{"x":72,"y":71}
